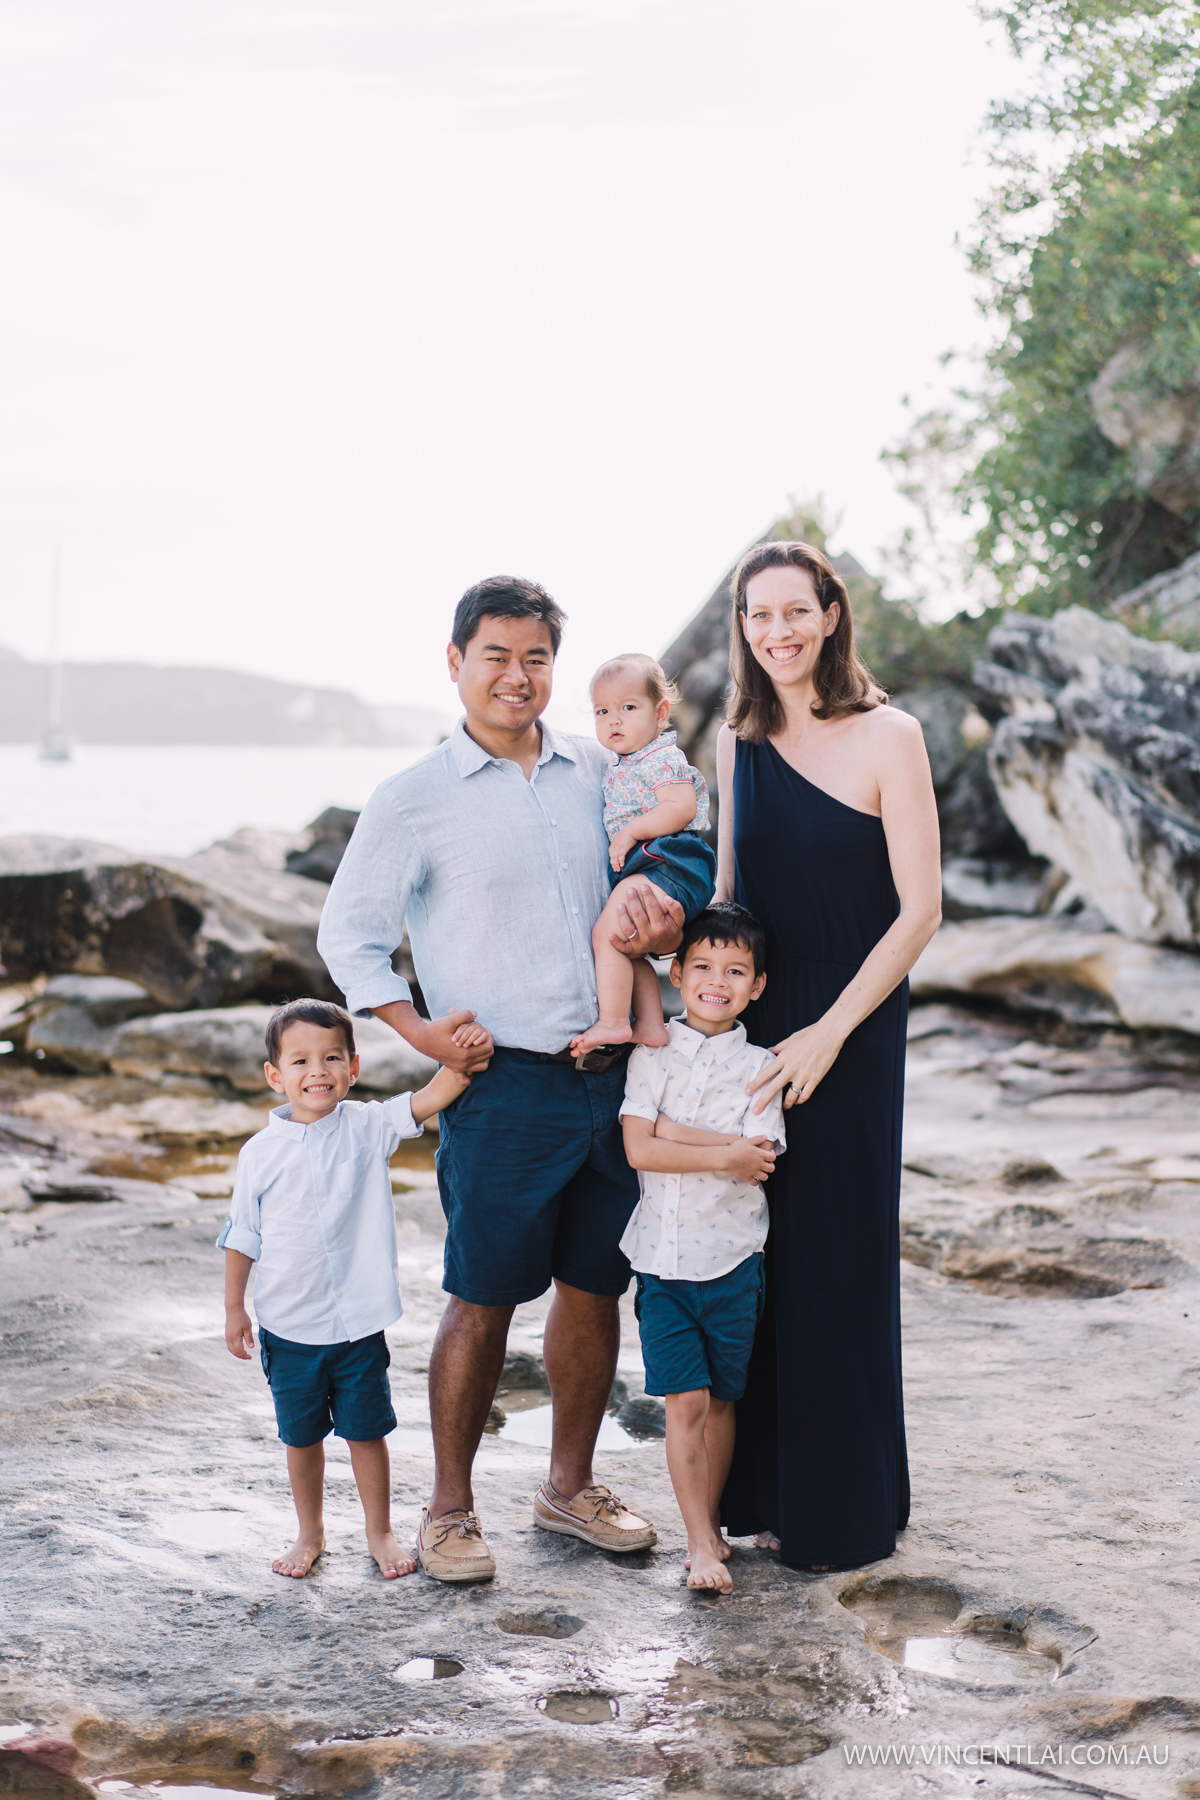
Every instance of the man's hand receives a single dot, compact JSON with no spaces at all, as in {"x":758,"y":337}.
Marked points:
{"x":649,"y":924}
{"x":239,"y":1333}
{"x":439,"y":1038}
{"x":619,"y":849}
{"x":750,"y":1159}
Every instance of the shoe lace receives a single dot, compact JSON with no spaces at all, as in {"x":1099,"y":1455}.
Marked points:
{"x":468,"y":1526}
{"x":603,"y":1500}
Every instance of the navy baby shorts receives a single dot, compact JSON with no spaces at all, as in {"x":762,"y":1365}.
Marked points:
{"x":319,"y":1388}
{"x":682,"y":865}
{"x":699,"y":1334}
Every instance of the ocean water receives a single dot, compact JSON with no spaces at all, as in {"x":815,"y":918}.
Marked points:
{"x":174,"y":799}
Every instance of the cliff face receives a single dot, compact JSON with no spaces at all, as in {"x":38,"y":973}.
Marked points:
{"x":137,"y":703}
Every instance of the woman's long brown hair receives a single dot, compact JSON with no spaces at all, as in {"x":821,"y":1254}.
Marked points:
{"x":842,"y":679}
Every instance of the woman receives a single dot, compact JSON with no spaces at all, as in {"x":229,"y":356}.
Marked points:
{"x":829,"y":834}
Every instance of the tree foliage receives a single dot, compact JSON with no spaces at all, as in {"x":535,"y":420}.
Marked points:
{"x":1088,"y":245}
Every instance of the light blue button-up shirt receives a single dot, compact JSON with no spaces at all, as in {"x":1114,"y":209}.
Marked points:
{"x":501,"y":880}
{"x":312,"y":1206}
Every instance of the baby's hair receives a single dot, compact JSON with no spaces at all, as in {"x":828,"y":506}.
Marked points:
{"x":307,"y":1012}
{"x":649,"y":673}
{"x":726,"y":923}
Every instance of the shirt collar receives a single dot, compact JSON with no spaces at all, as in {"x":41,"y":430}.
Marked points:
{"x":470,"y":756}
{"x":689,"y":1043}
{"x":663,"y":741}
{"x":280,"y":1119}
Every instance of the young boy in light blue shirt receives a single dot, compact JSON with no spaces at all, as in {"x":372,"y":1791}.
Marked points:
{"x":312,"y":1213}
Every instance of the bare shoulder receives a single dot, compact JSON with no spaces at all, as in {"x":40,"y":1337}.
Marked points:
{"x":726,"y":745}
{"x":893,"y":735}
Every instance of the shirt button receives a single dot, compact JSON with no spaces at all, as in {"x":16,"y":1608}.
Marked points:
{"x":564,"y":865}
{"x":575,"y":909}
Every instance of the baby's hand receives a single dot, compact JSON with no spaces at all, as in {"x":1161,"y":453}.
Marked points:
{"x":620,"y":847}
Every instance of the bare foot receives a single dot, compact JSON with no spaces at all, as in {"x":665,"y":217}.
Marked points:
{"x":391,"y":1558}
{"x":706,"y":1569}
{"x":724,"y":1550}
{"x":300,"y":1558}
{"x":604,"y":1031}
{"x":652,"y":1032}
{"x":766,"y":1540}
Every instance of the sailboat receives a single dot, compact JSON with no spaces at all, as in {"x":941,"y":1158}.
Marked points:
{"x":55,"y":746}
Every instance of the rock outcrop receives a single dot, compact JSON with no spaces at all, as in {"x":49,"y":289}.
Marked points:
{"x":193,"y":931}
{"x":1059,"y":966}
{"x":1160,"y":429}
{"x":1098,"y":766}
{"x":1168,"y":604}
{"x":70,"y":1030}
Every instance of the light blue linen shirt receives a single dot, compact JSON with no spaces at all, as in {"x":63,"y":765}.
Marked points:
{"x":312,"y":1207}
{"x":501,"y":880}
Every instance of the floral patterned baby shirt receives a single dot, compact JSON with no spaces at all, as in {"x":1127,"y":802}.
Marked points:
{"x":629,"y":785}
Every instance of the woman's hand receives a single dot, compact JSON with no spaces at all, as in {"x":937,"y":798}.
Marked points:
{"x":801,"y":1062}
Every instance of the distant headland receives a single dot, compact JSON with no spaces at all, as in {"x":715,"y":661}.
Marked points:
{"x":141,"y":703}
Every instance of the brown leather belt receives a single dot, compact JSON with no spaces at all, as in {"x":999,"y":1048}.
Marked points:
{"x":592,"y":1062}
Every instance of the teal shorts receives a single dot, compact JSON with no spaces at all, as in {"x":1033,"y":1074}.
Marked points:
{"x":699,"y":1334}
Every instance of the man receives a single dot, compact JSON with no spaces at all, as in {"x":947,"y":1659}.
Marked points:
{"x":494,"y":848}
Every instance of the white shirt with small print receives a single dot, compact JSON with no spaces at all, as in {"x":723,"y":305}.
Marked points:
{"x":312,"y":1206}
{"x":696,"y":1227}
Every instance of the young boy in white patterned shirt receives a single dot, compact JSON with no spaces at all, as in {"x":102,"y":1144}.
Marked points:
{"x":696,"y":1237}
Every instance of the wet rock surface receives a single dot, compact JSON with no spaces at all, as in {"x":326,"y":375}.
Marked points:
{"x":1043,"y":1595}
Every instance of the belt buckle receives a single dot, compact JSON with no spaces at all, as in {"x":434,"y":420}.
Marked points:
{"x":598,"y":1059}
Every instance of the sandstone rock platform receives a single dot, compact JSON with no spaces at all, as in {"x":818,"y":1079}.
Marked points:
{"x":1043,"y":1596}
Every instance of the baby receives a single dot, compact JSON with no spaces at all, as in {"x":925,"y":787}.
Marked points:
{"x":655,"y":804}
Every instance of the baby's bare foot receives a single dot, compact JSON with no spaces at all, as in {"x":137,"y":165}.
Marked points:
{"x":300,"y":1558}
{"x":391,"y":1558}
{"x":652,"y":1032}
{"x":604,"y":1031}
{"x":766,"y":1540}
{"x":706,"y":1569}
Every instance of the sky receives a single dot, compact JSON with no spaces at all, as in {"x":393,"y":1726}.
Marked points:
{"x":312,"y":314}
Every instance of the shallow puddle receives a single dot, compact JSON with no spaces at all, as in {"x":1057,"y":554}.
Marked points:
{"x":166,"y":1790}
{"x":427,"y":1668}
{"x":539,"y":1624}
{"x":924,"y":1625}
{"x":531,"y":1425}
{"x":204,"y":1530}
{"x":999,"y":1660}
{"x":579,"y":1709}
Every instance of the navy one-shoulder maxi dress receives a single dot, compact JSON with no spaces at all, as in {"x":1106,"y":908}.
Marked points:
{"x":820,"y":1457}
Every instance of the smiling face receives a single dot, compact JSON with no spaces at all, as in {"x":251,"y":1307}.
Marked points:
{"x":627,"y":719}
{"x":505,"y":674}
{"x":315,"y":1070}
{"x":717,"y":982}
{"x":784,"y":625}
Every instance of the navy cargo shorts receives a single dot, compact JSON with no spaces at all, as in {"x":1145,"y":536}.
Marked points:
{"x":534,"y":1182}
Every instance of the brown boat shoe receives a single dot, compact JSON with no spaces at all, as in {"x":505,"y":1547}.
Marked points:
{"x":452,"y":1548}
{"x":596,"y":1515}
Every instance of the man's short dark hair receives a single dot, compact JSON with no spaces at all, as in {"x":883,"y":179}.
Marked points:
{"x":726,"y":923}
{"x":506,"y":597}
{"x":307,"y":1012}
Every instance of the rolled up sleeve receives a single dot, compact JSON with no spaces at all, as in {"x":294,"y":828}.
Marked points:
{"x":242,"y":1230}
{"x":645,"y":1084}
{"x":363,"y":920}
{"x":768,"y":1123}
{"x":397,"y":1120}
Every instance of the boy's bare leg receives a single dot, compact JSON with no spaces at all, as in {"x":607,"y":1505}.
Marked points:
{"x":464,"y":1372}
{"x":649,"y":1026}
{"x":583,"y":1336}
{"x":373,"y":1475}
{"x":306,"y":1472}
{"x":719,"y":1432}
{"x":687,"y":1459}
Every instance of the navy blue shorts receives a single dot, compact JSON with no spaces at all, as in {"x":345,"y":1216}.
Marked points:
{"x":699,"y":1334}
{"x":534,"y":1182}
{"x":682,"y":865}
{"x":319,"y":1388}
